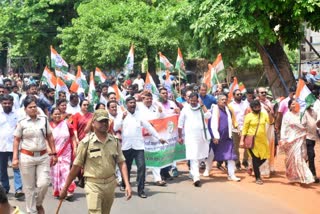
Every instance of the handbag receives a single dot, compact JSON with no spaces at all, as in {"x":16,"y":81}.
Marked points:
{"x":249,"y":139}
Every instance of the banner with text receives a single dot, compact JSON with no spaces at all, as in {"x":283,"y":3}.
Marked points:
{"x":161,"y":155}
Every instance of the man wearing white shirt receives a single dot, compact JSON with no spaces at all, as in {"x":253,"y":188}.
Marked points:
{"x":139,"y":81}
{"x":8,"y":122}
{"x":168,"y":108}
{"x":73,"y":106}
{"x":239,"y":108}
{"x":133,"y":142}
{"x":104,"y":94}
{"x":149,"y":110}
{"x":8,"y":90}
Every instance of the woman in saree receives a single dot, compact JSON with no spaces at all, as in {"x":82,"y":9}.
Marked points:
{"x":62,"y":106}
{"x":80,"y":120}
{"x":292,"y":143}
{"x":64,"y":141}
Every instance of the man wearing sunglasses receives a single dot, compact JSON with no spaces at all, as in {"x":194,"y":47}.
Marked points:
{"x":267,"y":106}
{"x":239,"y":107}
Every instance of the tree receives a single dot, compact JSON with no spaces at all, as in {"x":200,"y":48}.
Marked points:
{"x":103,"y":32}
{"x":30,"y":27}
{"x":264,"y":26}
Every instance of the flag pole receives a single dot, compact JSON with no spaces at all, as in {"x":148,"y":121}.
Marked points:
{"x":179,"y":82}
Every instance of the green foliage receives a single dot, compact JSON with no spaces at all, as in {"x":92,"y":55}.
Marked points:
{"x":30,"y":27}
{"x":215,"y":23}
{"x":103,"y":32}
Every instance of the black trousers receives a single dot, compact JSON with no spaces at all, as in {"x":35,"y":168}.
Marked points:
{"x":256,"y":163}
{"x":311,"y":155}
{"x":138,"y":156}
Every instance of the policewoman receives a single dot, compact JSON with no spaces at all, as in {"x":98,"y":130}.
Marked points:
{"x":30,"y":137}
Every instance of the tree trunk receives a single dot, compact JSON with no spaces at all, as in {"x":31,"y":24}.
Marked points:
{"x":152,"y":64}
{"x":280,"y":60}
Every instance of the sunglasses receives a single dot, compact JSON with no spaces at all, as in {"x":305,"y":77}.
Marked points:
{"x":239,"y":94}
{"x":263,"y":92}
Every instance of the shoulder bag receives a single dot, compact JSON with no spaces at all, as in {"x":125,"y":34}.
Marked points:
{"x":249,"y":139}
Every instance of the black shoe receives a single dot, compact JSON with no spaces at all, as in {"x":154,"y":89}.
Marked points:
{"x":202,"y":165}
{"x":245,"y":164}
{"x":142,"y":194}
{"x":19,"y":194}
{"x":238,"y":166}
{"x":197,"y":184}
{"x":166,"y":177}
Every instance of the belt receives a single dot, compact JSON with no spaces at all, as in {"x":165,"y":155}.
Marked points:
{"x":101,"y":180}
{"x":32,"y":153}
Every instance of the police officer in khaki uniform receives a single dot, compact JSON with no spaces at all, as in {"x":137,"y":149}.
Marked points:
{"x":98,"y":153}
{"x":30,"y":136}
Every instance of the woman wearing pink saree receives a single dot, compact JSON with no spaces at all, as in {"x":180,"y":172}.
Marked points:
{"x":64,"y":140}
{"x":293,"y":144}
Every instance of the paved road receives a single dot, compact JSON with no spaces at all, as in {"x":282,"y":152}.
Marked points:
{"x":216,"y":196}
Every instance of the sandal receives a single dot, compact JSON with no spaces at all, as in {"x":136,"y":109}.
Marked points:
{"x":160,"y":183}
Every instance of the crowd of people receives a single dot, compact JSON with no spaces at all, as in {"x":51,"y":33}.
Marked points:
{"x":54,"y":139}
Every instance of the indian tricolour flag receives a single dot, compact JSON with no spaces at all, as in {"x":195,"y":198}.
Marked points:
{"x":130,"y":60}
{"x":67,"y":77}
{"x":304,"y":96}
{"x":150,"y":85}
{"x":180,"y":65}
{"x":217,"y":66}
{"x":242,"y":88}
{"x":233,"y":87}
{"x":57,"y":62}
{"x":61,"y":86}
{"x":92,"y":95}
{"x":48,"y":78}
{"x":164,"y":63}
{"x":207,"y":77}
{"x":80,"y":84}
{"x":99,"y":76}
{"x":119,"y":95}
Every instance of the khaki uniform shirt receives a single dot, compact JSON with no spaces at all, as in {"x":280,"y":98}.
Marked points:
{"x":98,"y":158}
{"x":33,"y":133}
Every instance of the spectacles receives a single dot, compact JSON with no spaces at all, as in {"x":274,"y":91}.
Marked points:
{"x":239,"y":94}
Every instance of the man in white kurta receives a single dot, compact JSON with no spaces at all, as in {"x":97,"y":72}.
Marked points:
{"x":192,"y":120}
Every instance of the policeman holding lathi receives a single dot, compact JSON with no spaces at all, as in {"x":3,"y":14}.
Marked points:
{"x":98,"y":153}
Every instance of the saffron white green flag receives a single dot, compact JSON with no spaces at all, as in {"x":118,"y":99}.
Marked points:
{"x":48,"y":78}
{"x":65,"y":76}
{"x":61,"y":86}
{"x":99,"y":76}
{"x":80,"y":84}
{"x":92,"y":95}
{"x":119,"y":95}
{"x":130,"y":60}
{"x":164,"y":63}
{"x":304,"y":96}
{"x":217,"y":67}
{"x":150,"y":85}
{"x":57,"y":62}
{"x":180,"y":66}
